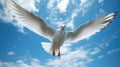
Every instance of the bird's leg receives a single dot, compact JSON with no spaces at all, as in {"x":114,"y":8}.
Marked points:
{"x":59,"y":52}
{"x":53,"y":53}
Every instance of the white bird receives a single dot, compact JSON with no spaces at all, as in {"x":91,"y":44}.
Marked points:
{"x":58,"y":37}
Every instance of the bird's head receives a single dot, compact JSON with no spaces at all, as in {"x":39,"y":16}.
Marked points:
{"x":63,"y":27}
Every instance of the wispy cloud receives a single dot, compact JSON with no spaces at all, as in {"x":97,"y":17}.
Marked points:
{"x":105,"y":43}
{"x":79,"y":7}
{"x":100,"y":1}
{"x":101,"y":56}
{"x":113,"y":51}
{"x":11,"y":53}
{"x":95,"y":51}
{"x":75,"y":58}
{"x":21,"y":63}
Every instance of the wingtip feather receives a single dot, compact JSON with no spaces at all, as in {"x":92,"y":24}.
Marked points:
{"x":111,"y":14}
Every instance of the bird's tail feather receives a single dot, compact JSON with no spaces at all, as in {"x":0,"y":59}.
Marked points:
{"x":46,"y":46}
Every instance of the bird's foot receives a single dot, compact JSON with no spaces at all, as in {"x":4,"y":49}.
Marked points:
{"x":53,"y":53}
{"x":59,"y":53}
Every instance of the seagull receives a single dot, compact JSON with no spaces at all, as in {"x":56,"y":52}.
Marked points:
{"x":57,"y":37}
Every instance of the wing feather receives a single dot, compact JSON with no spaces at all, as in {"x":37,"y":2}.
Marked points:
{"x":90,"y":28}
{"x":30,"y":20}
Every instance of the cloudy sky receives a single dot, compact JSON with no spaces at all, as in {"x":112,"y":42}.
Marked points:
{"x":20,"y":47}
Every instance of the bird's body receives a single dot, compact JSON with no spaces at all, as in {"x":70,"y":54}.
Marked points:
{"x":58,"y":40}
{"x":57,"y":37}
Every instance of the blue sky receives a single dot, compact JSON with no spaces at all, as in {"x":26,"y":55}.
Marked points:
{"x":20,"y":47}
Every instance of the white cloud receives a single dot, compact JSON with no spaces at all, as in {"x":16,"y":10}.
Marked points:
{"x":21,"y":63}
{"x":11,"y":53}
{"x":116,"y":34}
{"x":65,"y":48}
{"x":80,"y":57}
{"x":5,"y":14}
{"x":104,"y":45}
{"x":77,"y":58}
{"x":70,"y":25}
{"x":113,"y":51}
{"x":81,"y":8}
{"x":101,"y":56}
{"x":100,"y":1}
{"x":83,"y":1}
{"x":95,"y":51}
{"x":89,"y":60}
{"x":50,"y":63}
{"x":101,"y":11}
{"x":51,"y":3}
{"x":62,"y":5}
{"x":29,"y":6}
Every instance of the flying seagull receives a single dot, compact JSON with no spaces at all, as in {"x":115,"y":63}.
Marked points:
{"x":57,"y":37}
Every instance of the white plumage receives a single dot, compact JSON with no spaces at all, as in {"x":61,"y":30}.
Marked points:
{"x":58,"y":37}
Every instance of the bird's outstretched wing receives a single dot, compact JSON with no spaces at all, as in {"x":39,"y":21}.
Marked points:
{"x":90,"y":28}
{"x":30,"y":20}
